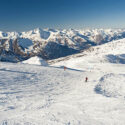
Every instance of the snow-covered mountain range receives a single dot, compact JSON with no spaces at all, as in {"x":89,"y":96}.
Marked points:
{"x":52,"y":43}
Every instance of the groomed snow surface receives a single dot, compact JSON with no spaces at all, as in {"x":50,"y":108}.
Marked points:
{"x":38,"y":95}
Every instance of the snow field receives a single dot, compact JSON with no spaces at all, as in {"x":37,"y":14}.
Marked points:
{"x":51,"y":96}
{"x":30,"y":90}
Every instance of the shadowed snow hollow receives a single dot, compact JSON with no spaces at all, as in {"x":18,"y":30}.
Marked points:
{"x":116,"y":58}
{"x":112,"y":85}
{"x":36,"y":61}
{"x":25,"y":44}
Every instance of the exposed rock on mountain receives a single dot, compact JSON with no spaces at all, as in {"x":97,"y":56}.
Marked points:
{"x":51,"y":43}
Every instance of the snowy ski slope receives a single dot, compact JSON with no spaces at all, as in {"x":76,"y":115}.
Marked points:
{"x":38,"y":95}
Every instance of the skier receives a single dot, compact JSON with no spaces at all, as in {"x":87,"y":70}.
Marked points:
{"x":86,"y":79}
{"x":64,"y":68}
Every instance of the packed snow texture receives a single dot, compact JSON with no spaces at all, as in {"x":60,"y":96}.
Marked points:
{"x":39,"y":95}
{"x":36,"y":61}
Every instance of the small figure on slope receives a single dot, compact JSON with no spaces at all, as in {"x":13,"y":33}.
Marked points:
{"x":65,"y":68}
{"x":86,"y":79}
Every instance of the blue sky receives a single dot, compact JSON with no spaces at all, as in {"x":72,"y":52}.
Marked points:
{"x":23,"y":15}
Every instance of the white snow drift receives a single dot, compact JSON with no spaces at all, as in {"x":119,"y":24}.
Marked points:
{"x":112,"y":85}
{"x":36,"y":61}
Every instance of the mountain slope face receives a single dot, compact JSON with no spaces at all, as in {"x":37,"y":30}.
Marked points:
{"x":112,"y":52}
{"x":51,"y":43}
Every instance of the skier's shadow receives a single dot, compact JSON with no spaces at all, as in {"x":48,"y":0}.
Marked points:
{"x":75,"y":69}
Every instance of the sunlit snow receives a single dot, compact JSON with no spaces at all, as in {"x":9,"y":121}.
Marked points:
{"x":50,"y":95}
